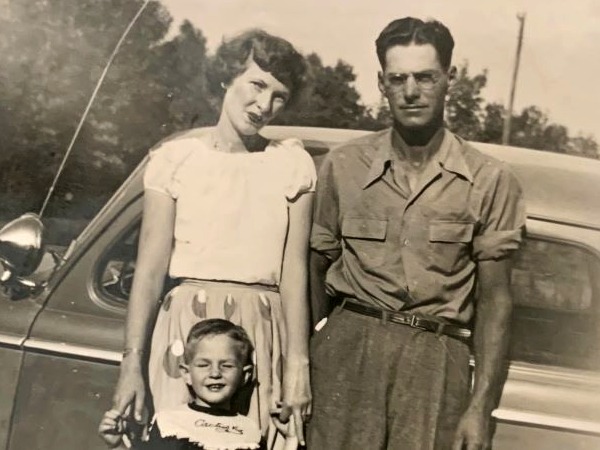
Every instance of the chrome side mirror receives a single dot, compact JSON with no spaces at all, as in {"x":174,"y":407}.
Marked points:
{"x":21,"y":251}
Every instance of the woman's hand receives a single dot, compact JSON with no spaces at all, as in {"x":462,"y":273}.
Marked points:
{"x":293,"y":288}
{"x":111,"y":429}
{"x":297,"y":398}
{"x":155,"y":244}
{"x":286,"y":429}
{"x":131,"y":389}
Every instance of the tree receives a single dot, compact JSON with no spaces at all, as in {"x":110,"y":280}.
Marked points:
{"x":492,"y":123}
{"x":531,"y":129}
{"x":53,"y":54}
{"x":175,"y":93}
{"x":464,"y":114}
{"x":56,"y":53}
{"x":331,"y":99}
{"x":383,"y":115}
{"x":584,"y":146}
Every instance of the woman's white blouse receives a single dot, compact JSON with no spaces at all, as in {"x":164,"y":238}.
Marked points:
{"x":231,"y":208}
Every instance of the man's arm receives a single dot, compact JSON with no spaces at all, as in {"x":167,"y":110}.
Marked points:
{"x":320,"y":302}
{"x":325,"y":240}
{"x":491,"y":337}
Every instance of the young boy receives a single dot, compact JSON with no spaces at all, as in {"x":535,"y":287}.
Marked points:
{"x":217,"y":362}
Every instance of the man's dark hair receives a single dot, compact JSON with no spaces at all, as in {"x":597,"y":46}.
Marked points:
{"x":409,"y":30}
{"x":215,"y":327}
{"x":271,"y":53}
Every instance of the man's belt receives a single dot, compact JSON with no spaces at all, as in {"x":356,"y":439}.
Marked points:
{"x":412,"y":320}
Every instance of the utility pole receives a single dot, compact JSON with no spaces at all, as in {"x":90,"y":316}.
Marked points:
{"x":513,"y":86}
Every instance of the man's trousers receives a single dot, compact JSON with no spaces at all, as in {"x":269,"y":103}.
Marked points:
{"x":384,"y":386}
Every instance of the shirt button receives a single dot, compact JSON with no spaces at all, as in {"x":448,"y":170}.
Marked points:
{"x":406,"y":242}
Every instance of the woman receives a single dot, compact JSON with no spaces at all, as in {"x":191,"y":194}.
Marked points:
{"x":227,"y":213}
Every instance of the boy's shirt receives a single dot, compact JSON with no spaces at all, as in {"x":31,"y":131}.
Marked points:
{"x":193,"y":427}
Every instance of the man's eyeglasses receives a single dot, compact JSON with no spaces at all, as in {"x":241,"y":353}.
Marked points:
{"x":424,"y":80}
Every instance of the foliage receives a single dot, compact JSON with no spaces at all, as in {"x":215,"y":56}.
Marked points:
{"x":584,"y":146}
{"x":492,"y":123}
{"x":470,"y":117}
{"x":464,"y":113}
{"x":331,"y":100}
{"x":54,"y":52}
{"x":158,"y":84}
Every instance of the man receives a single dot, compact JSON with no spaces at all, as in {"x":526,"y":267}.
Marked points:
{"x":407,"y":222}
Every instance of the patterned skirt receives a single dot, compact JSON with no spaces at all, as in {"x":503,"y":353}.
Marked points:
{"x":256,"y":308}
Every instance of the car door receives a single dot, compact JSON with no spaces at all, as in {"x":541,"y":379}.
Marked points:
{"x":69,"y":367}
{"x":551,"y":399}
{"x":16,"y":318}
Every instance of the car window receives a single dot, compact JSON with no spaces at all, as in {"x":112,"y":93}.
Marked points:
{"x":555,"y":287}
{"x":556,"y":319}
{"x":115,"y":271}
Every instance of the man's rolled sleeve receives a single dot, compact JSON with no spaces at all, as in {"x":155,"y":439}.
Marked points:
{"x":325,"y":235}
{"x":502,"y":226}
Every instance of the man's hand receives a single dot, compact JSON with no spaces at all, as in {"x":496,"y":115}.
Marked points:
{"x":473,"y":432}
{"x":492,"y":326}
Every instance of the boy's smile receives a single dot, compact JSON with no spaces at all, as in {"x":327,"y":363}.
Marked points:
{"x":215,"y":371}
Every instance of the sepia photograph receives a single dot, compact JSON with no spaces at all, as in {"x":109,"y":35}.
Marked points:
{"x":286,"y":225}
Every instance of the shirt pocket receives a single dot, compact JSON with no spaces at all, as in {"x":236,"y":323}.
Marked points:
{"x":450,"y":243}
{"x":365,"y":239}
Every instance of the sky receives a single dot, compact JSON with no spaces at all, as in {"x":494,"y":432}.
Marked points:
{"x":560,"y":62}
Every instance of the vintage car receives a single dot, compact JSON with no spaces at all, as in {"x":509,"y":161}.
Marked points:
{"x":62,"y":333}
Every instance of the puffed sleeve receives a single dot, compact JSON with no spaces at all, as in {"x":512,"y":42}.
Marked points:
{"x":302,"y":176}
{"x":161,"y":172}
{"x":503,"y":219}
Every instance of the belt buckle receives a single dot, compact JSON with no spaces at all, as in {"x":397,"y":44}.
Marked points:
{"x":414,"y":321}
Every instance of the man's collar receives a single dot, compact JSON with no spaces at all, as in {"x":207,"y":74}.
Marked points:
{"x":383,"y":155}
{"x":449,"y":155}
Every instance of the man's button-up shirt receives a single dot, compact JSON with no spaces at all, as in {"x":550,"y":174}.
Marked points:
{"x":417,"y":250}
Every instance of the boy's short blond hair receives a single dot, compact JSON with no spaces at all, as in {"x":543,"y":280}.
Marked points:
{"x":215,"y":327}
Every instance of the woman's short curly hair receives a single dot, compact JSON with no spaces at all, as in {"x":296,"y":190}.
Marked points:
{"x":271,"y":53}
